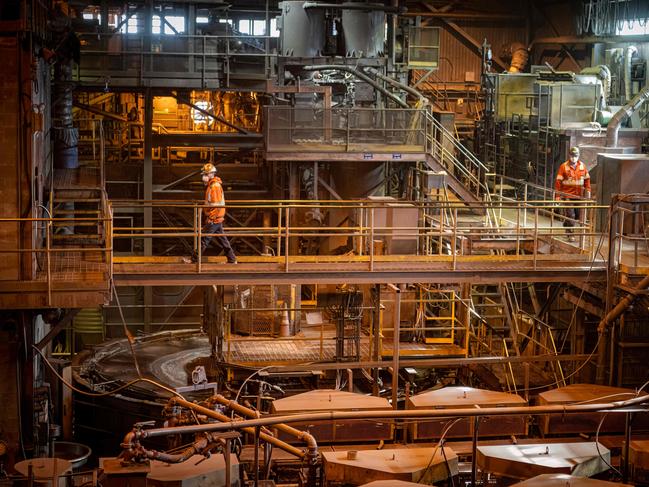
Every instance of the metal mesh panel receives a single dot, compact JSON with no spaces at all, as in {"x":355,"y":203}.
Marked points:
{"x":338,"y":130}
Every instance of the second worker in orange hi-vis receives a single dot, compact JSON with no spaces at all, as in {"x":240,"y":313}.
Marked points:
{"x":214,"y":214}
{"x":573,"y":183}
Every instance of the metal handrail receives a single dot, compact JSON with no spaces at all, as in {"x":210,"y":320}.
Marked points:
{"x":468,"y":170}
{"x":454,"y":231}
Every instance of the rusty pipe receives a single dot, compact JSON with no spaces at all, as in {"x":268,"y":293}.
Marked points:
{"x":196,"y":448}
{"x":397,"y":414}
{"x":622,"y":305}
{"x":308,"y":438}
{"x":225,"y":419}
{"x":611,"y":316}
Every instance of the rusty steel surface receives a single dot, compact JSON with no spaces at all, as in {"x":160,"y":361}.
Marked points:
{"x":414,"y":464}
{"x":467,"y":397}
{"x":443,"y":271}
{"x":587,"y":423}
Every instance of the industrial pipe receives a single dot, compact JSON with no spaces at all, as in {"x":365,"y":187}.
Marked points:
{"x":225,"y":419}
{"x":622,"y":305}
{"x":628,"y":56}
{"x":396,"y":83}
{"x":611,"y":316}
{"x":308,"y":438}
{"x":519,"y":57}
{"x":370,"y":7}
{"x":622,"y":114}
{"x":359,"y":75}
{"x":391,"y":414}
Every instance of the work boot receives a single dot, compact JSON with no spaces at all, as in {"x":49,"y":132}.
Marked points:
{"x":192,"y":259}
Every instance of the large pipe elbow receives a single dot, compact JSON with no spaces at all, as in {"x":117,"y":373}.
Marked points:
{"x":613,"y":129}
{"x":519,"y":57}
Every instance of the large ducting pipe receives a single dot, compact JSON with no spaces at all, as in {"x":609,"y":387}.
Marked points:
{"x":519,"y":57}
{"x":66,"y":137}
{"x":613,"y":129}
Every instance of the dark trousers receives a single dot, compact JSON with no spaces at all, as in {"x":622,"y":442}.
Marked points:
{"x":574,"y":215}
{"x":222,"y":240}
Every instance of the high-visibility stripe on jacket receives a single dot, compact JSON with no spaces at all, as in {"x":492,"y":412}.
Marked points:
{"x":571,"y":180}
{"x":215,"y":200}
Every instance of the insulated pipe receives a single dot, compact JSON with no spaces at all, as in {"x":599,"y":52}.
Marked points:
{"x":359,"y":75}
{"x":627,"y":110}
{"x":393,"y":414}
{"x":308,"y":438}
{"x":225,"y":419}
{"x":396,"y":83}
{"x":628,"y":56}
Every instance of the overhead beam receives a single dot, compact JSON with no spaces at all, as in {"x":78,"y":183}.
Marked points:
{"x":464,"y":16}
{"x":584,"y":304}
{"x":99,"y":111}
{"x":591,"y":39}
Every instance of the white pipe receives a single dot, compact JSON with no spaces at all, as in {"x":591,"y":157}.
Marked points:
{"x":628,"y":54}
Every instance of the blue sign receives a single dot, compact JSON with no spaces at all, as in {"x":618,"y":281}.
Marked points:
{"x":396,"y":156}
{"x":368,"y":157}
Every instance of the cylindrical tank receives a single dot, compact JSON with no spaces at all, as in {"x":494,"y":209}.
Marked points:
{"x":302,"y":32}
{"x":364,"y":32}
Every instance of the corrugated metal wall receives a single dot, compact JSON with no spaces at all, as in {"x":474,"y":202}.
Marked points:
{"x":458,"y":57}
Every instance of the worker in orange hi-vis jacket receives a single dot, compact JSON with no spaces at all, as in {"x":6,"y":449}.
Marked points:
{"x":573,"y":182}
{"x":214,"y":214}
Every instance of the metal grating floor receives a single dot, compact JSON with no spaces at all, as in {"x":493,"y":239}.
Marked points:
{"x":306,"y":348}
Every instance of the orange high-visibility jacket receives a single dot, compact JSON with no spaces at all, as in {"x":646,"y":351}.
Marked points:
{"x":215,"y":199}
{"x":573,"y":181}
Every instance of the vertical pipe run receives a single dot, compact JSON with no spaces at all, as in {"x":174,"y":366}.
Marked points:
{"x":395,"y":347}
{"x":628,"y":418}
{"x":474,"y":449}
{"x":228,"y":464}
{"x":256,"y":460}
